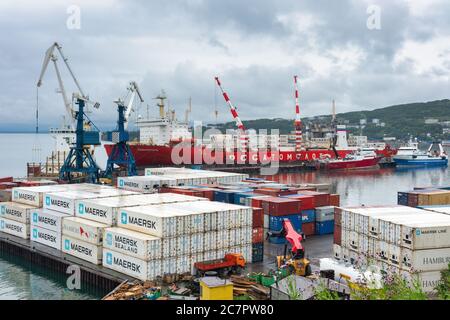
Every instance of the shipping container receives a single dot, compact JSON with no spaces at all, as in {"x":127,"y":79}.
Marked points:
{"x":277,"y":240}
{"x":258,"y":252}
{"x":435,"y":197}
{"x":324,"y":214}
{"x":337,"y":235}
{"x":335,"y":200}
{"x":276,"y":222}
{"x":257,"y":235}
{"x":48,"y":219}
{"x":337,"y":216}
{"x":321,"y":199}
{"x":33,"y":196}
{"x":132,"y":243}
{"x":82,"y":250}
{"x":428,"y":280}
{"x":15,"y":228}
{"x":424,"y":260}
{"x":309,"y":229}
{"x":105,"y":210}
{"x":83,"y":229}
{"x":308,"y":216}
{"x":239,"y":198}
{"x":258,"y":218}
{"x":131,"y":266}
{"x":257,"y":201}
{"x":169,"y":266}
{"x":281,"y":206}
{"x":307,"y":202}
{"x":337,"y":252}
{"x":46,"y":237}
{"x":65,"y":201}
{"x":325,"y":227}
{"x":402,"y":198}
{"x":148,"y":183}
{"x":426,"y":235}
{"x":16,"y":211}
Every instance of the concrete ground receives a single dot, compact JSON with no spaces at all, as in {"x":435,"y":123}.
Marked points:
{"x":316,"y":247}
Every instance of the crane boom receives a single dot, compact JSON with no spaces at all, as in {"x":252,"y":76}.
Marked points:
{"x":134,"y":88}
{"x":242,"y":131}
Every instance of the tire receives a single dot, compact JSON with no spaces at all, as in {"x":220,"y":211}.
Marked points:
{"x":308,"y":270}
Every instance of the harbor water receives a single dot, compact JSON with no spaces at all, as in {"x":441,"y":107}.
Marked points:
{"x":20,"y":280}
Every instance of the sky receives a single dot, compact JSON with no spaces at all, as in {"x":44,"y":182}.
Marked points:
{"x":363,"y":54}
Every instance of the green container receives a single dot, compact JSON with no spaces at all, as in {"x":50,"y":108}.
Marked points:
{"x":267,"y":281}
{"x":256,"y":277}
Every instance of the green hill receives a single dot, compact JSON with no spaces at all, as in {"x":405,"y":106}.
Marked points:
{"x":400,"y":121}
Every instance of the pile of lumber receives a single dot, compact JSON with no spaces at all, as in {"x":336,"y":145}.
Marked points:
{"x":245,"y":286}
{"x":129,"y":291}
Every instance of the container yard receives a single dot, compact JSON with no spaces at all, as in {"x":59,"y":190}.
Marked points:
{"x":173,"y":221}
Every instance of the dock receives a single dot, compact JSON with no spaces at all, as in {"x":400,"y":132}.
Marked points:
{"x":57,"y":262}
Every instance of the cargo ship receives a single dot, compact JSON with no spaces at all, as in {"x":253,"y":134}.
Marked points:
{"x":165,"y":141}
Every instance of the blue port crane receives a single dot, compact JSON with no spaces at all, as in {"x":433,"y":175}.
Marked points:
{"x":121,"y":155}
{"x":80,"y":162}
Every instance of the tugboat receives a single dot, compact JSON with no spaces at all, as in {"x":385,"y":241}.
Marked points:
{"x":357,"y":160}
{"x":410,"y":155}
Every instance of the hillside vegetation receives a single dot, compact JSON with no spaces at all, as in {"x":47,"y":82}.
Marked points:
{"x":400,"y":121}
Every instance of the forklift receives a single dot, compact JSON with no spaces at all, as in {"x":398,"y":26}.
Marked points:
{"x":296,"y":262}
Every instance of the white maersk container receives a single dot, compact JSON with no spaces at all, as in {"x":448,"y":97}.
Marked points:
{"x":144,"y":183}
{"x":15,"y":211}
{"x":131,"y":266}
{"x":169,"y":247}
{"x":15,"y":228}
{"x":82,"y":250}
{"x":424,"y":260}
{"x":169,"y":265}
{"x":46,"y":237}
{"x":132,"y":243}
{"x":48,"y":219}
{"x":83,"y":229}
{"x":156,"y":220}
{"x":65,"y":201}
{"x":106,"y":210}
{"x":197,"y":243}
{"x":426,"y":235}
{"x":183,"y":246}
{"x":33,"y":196}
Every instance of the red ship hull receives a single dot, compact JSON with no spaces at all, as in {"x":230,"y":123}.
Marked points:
{"x":152,"y":155}
{"x":351,"y":164}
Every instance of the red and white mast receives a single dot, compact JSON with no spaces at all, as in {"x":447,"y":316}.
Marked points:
{"x":239,"y":124}
{"x":298,"y":121}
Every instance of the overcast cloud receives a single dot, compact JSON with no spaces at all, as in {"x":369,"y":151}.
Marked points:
{"x":254,"y":46}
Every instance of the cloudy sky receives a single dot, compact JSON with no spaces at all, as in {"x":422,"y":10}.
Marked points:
{"x":255,"y":46}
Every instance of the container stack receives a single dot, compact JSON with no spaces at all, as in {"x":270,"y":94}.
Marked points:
{"x":145,"y":184}
{"x":424,"y":197}
{"x":258,"y":235}
{"x":325,"y":220}
{"x":400,"y":240}
{"x":170,"y":238}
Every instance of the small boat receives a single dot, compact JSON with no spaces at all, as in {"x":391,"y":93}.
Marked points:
{"x":410,"y":155}
{"x":358,"y":160}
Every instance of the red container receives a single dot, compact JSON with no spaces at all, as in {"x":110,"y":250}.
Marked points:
{"x":257,"y":201}
{"x":413,"y":199}
{"x":321,"y":199}
{"x":309,"y":229}
{"x":337,"y":235}
{"x":337,"y":216}
{"x":307,"y":202}
{"x":257,"y":235}
{"x":281,"y":206}
{"x":205,"y":193}
{"x":335,"y":200}
{"x":28,"y":184}
{"x":258,"y":218}
{"x":276,"y":192}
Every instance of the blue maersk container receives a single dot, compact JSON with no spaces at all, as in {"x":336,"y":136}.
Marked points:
{"x":325,"y":227}
{"x":276,"y":223}
{"x":308,"y":216}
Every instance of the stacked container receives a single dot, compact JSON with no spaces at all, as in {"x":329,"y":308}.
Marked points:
{"x":324,"y":220}
{"x":258,"y":235}
{"x":403,"y":240}
{"x":149,"y":184}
